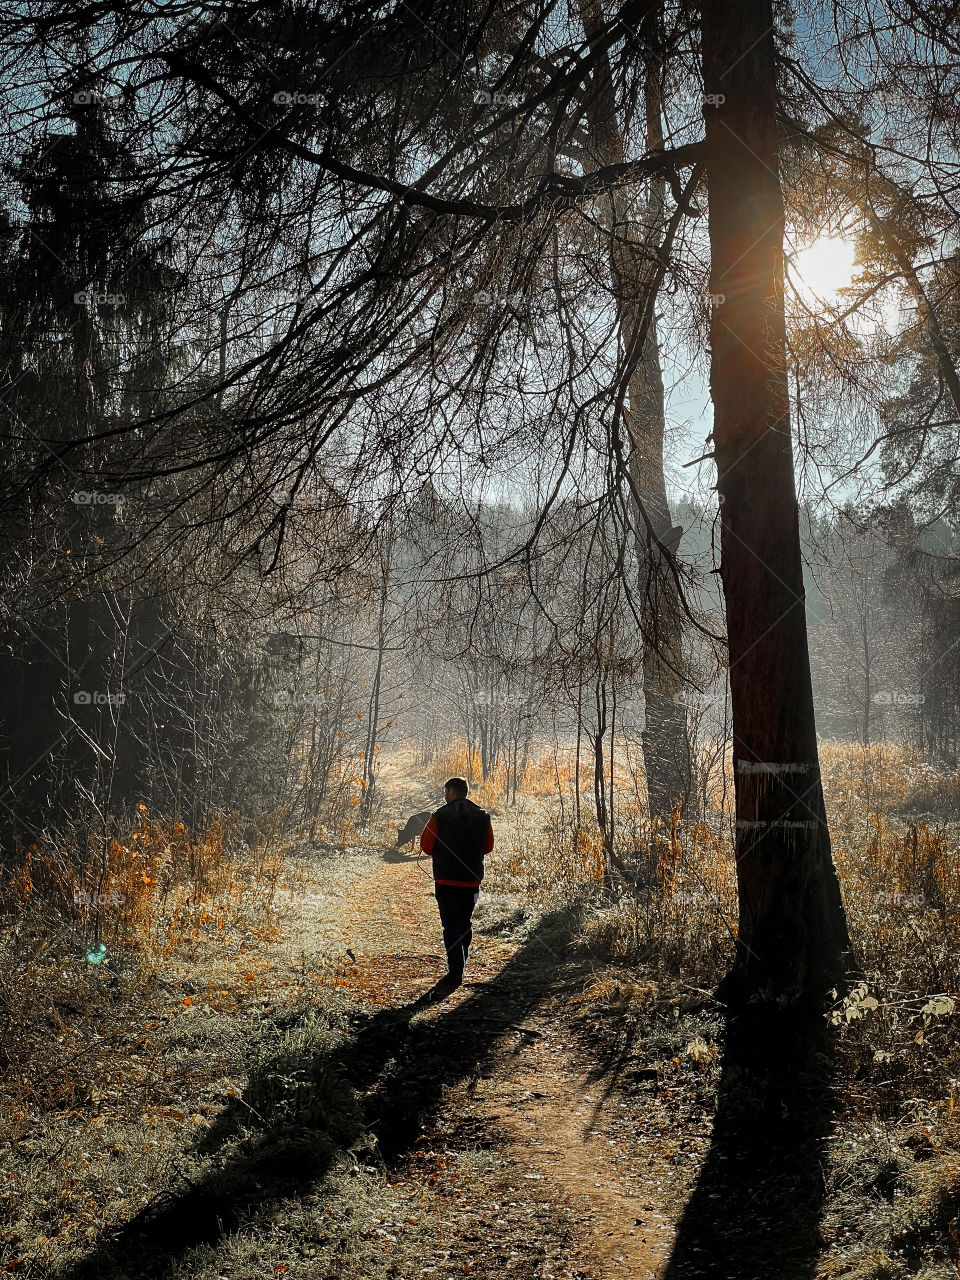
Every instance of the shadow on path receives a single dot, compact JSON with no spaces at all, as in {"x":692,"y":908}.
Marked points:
{"x":391,"y":854}
{"x":305,"y":1108}
{"x":756,"y":1209}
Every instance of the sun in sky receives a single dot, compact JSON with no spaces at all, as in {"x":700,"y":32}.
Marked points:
{"x":821,"y":268}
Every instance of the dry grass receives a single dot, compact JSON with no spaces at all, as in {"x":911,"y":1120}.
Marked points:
{"x":885,"y":778}
{"x":134,"y":973}
{"x":676,"y":918}
{"x":138,"y":968}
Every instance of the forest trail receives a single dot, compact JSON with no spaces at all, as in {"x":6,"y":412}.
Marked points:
{"x":562,"y":1140}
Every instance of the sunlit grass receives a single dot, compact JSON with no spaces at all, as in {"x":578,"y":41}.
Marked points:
{"x":133,"y":962}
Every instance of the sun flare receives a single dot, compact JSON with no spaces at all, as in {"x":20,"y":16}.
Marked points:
{"x":822,"y":268}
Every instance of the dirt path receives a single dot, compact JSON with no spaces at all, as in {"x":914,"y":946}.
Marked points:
{"x":534,"y":1099}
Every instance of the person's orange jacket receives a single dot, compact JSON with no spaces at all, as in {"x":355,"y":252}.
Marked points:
{"x":428,"y":839}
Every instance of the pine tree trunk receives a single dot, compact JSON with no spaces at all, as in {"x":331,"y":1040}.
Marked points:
{"x":793,"y":934}
{"x":666,"y":752}
{"x":666,"y":748}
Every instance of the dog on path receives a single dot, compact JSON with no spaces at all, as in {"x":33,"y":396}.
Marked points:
{"x":412,"y":828}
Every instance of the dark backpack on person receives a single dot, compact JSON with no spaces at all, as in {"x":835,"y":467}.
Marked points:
{"x":462,"y":828}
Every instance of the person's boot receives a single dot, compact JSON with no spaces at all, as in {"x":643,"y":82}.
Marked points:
{"x":455,"y":976}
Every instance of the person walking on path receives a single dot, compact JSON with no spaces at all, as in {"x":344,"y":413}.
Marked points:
{"x":456,"y":838}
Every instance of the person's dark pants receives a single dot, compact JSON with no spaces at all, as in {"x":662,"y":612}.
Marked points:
{"x":456,"y":907}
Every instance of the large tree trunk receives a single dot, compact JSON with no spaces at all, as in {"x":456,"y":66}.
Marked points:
{"x":633,"y":263}
{"x":793,"y":934}
{"x":666,"y":748}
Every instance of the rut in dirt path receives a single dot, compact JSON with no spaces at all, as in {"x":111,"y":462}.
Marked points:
{"x":499,"y":1053}
{"x":504,"y":1056}
{"x":401,"y":1068}
{"x":494,"y":1064}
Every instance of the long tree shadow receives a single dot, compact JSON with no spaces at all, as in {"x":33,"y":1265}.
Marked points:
{"x":302,"y":1109}
{"x":758,"y":1202}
